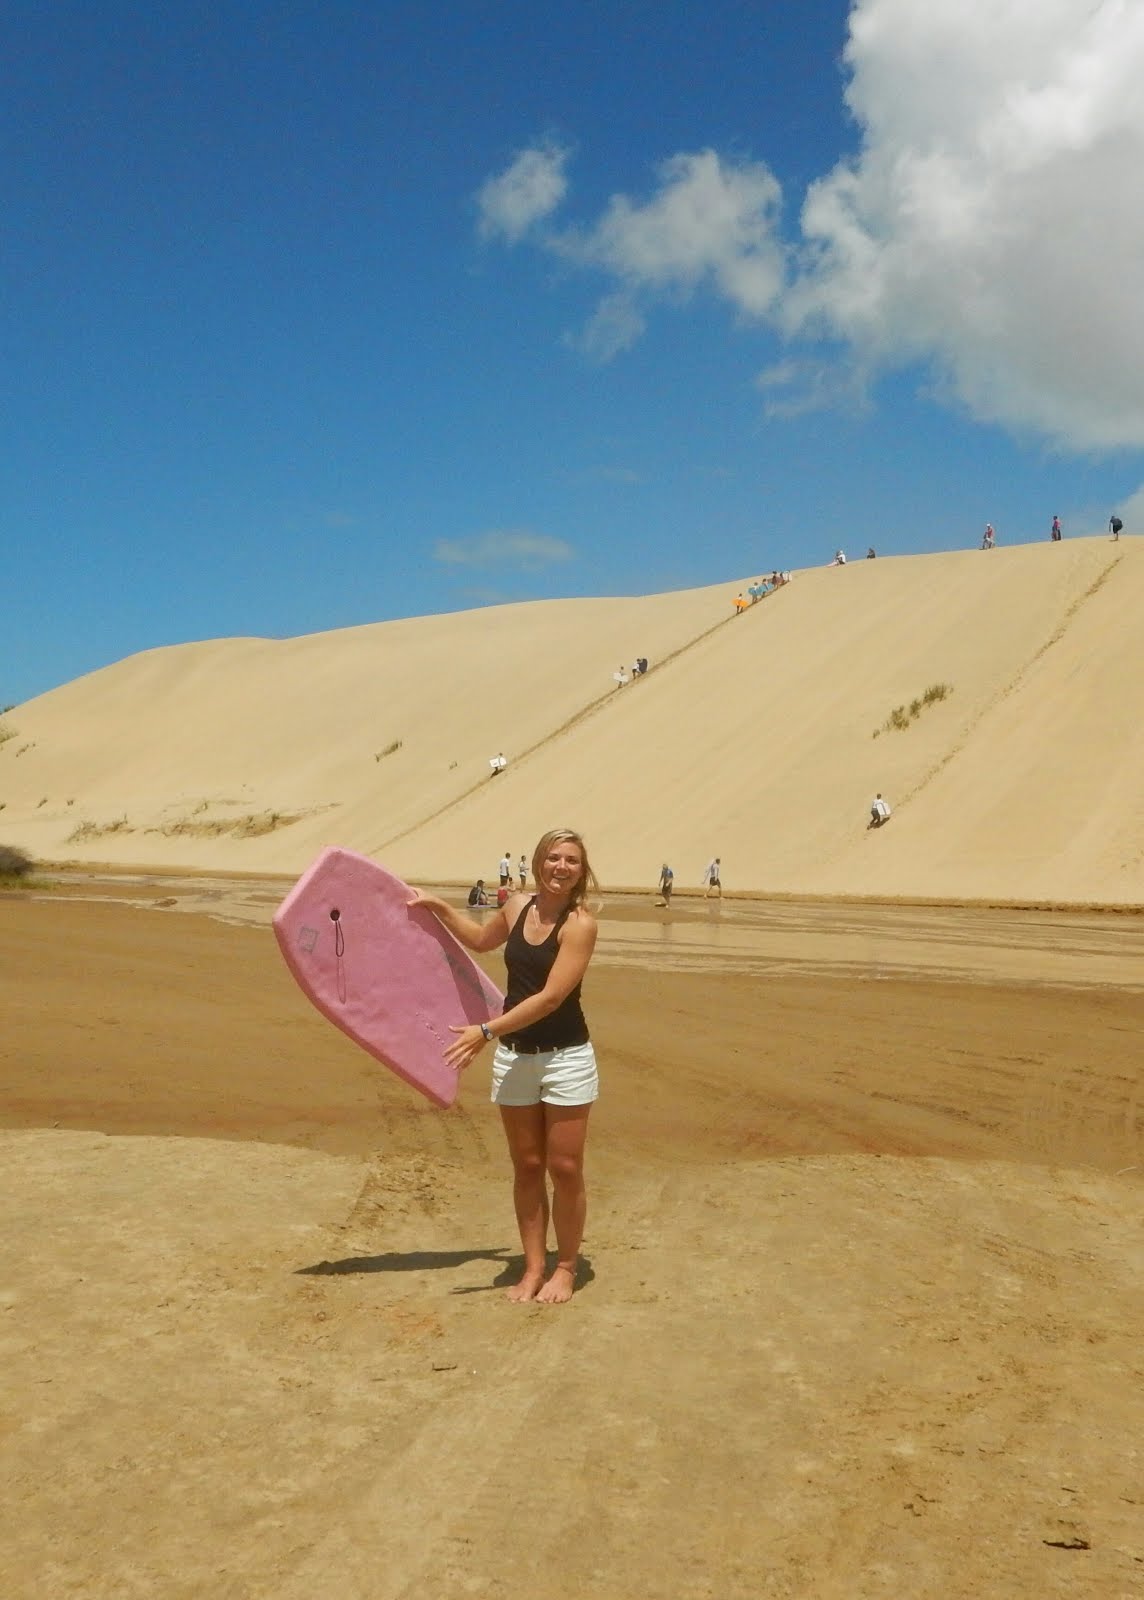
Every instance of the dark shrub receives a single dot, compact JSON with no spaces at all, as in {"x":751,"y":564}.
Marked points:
{"x":14,"y":863}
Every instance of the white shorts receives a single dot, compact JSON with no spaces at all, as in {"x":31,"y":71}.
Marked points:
{"x":565,"y":1077}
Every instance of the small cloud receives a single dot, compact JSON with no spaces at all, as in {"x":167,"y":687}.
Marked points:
{"x":796,"y":388}
{"x":528,"y":190}
{"x":613,"y":327}
{"x":1130,"y":512}
{"x":709,"y":220}
{"x":502,"y":548}
{"x":777,"y":376}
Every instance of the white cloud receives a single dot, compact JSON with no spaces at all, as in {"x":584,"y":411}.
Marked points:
{"x":502,"y":547}
{"x":528,"y":190}
{"x":991,"y":222}
{"x":708,"y":220}
{"x":989,"y":227}
{"x":613,"y":327}
{"x":792,"y":388}
{"x":1130,"y":512}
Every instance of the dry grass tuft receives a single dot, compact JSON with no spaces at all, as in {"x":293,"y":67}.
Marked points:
{"x":901,"y":716}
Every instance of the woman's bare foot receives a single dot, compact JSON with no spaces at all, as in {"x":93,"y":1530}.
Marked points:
{"x":559,"y":1287}
{"x":529,"y":1287}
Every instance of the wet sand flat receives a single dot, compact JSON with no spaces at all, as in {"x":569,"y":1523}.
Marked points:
{"x":859,"y":1309}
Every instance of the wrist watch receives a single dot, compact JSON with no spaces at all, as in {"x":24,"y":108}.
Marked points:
{"x":488,"y":1032}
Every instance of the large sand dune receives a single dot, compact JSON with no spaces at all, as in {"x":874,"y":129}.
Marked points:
{"x":752,"y":737}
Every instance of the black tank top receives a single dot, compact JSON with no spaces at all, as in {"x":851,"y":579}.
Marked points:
{"x":528,"y":968}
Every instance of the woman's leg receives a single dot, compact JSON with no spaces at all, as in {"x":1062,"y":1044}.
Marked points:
{"x":525,"y":1131}
{"x":566,"y":1131}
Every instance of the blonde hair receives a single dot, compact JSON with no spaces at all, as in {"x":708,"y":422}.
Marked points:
{"x":587,"y":880}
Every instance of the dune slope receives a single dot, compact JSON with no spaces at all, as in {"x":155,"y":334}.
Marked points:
{"x":759,"y":738}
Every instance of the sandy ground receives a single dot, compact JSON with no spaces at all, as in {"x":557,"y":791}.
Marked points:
{"x":859,"y":1312}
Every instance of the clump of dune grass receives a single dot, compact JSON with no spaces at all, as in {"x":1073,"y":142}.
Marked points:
{"x":901,"y":716}
{"x":261,"y":822}
{"x":6,"y":734}
{"x":380,"y":755}
{"x":96,"y":830}
{"x":252,"y":826}
{"x":14,"y":863}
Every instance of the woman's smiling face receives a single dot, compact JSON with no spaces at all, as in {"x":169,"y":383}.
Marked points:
{"x":561,"y":869}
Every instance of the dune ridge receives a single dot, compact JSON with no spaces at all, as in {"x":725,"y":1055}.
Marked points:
{"x":759,"y":738}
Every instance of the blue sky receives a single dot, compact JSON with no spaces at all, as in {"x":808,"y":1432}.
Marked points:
{"x":321,"y":313}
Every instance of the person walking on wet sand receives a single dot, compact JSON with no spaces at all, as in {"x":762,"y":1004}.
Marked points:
{"x":713,"y":878}
{"x":666,"y":884}
{"x":544,"y":1070}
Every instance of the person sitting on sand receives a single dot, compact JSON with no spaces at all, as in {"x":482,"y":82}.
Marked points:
{"x":544,"y":1069}
{"x":477,"y":895}
{"x":839,"y":559}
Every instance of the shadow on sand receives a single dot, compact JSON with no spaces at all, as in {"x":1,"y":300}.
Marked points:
{"x":511,"y":1267}
{"x":403,"y":1261}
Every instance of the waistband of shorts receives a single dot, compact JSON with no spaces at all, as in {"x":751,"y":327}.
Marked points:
{"x":524,"y":1047}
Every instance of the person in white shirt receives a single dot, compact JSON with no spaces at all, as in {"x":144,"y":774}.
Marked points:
{"x":522,"y":872}
{"x":713,"y":879}
{"x":505,"y":870}
{"x":879,"y":812}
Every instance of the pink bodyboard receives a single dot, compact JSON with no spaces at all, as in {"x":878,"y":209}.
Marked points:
{"x":391,"y":977}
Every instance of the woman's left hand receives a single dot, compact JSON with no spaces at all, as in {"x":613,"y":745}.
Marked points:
{"x":466,"y":1047}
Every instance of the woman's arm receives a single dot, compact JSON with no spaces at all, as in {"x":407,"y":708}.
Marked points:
{"x":577,"y":942}
{"x":473,"y":935}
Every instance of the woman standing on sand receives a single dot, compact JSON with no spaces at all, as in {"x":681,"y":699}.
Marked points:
{"x":544,"y":1069}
